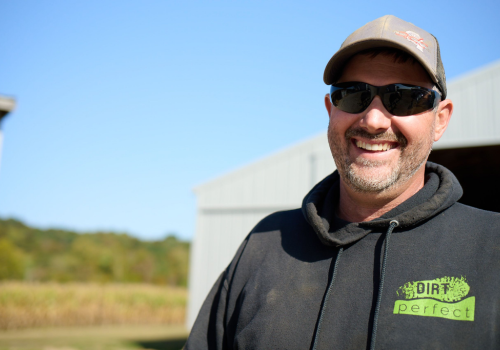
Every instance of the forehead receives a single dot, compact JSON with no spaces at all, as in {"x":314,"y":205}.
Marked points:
{"x":382,"y":70}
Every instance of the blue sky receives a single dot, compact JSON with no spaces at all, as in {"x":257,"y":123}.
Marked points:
{"x":125,"y":106}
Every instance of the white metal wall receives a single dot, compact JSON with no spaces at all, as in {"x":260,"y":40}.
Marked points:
{"x":229,"y":206}
{"x":476,"y":117}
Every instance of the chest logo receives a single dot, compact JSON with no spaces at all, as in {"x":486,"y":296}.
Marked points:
{"x":443,"y":297}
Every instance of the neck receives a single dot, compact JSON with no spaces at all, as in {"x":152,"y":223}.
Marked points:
{"x":357,"y":206}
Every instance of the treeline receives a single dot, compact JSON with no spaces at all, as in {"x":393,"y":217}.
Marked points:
{"x":35,"y":255}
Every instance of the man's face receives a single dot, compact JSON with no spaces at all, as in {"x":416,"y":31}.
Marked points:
{"x":375,"y":151}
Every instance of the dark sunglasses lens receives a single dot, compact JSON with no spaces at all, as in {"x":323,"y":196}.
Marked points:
{"x":404,"y":101}
{"x":351,"y":99}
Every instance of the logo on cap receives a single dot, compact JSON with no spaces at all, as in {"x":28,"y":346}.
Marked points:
{"x":414,"y":38}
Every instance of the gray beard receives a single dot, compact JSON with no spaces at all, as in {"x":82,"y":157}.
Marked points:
{"x":408,"y":164}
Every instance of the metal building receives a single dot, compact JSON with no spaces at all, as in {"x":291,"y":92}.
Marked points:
{"x":229,"y":206}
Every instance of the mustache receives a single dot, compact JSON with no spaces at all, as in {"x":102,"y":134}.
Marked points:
{"x":386,"y":136}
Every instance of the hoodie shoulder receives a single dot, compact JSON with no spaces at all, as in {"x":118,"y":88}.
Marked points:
{"x":477,"y":224}
{"x":270,"y":232}
{"x":475,"y":214}
{"x":276,"y":238}
{"x":279,"y":220}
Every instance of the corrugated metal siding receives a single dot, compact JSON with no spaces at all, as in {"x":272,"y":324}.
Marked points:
{"x":229,"y":206}
{"x":476,"y":116}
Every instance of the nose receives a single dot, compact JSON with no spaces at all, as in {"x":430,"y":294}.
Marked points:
{"x":376,"y":118}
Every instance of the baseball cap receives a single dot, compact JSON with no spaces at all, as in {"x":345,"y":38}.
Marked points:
{"x":393,"y":32}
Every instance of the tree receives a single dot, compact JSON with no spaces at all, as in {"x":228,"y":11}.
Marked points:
{"x":12,"y":261}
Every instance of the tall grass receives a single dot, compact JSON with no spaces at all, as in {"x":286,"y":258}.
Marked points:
{"x":27,"y":305}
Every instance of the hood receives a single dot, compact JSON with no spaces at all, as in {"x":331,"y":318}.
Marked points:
{"x":441,"y":191}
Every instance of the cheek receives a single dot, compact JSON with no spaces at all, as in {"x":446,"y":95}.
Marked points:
{"x":340,"y":122}
{"x":336,"y":134}
{"x":415,"y":128}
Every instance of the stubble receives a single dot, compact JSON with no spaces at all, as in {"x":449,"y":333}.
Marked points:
{"x":411,"y":158}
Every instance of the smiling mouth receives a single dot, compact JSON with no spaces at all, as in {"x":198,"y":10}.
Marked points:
{"x":380,"y":147}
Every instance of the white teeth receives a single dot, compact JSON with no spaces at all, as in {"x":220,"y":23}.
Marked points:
{"x":374,"y":147}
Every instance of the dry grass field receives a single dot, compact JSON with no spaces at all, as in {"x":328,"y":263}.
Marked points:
{"x":31,"y":305}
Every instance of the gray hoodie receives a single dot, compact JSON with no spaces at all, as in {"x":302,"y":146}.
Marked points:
{"x":423,"y":276}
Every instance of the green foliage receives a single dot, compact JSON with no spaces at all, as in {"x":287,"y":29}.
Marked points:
{"x":31,"y":254}
{"x":12,"y":261}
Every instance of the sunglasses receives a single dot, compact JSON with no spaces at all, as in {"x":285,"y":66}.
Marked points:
{"x":399,"y":99}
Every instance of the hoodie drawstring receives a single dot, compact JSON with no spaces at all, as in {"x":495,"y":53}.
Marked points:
{"x":325,"y":300}
{"x":392,"y":225}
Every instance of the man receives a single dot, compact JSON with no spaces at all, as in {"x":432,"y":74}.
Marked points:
{"x":380,"y":255}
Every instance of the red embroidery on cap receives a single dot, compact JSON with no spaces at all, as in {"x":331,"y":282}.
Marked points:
{"x":414,"y":38}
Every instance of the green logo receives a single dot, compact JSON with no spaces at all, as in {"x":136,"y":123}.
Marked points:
{"x":440,"y":297}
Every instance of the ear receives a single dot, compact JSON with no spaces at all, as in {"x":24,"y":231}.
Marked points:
{"x":328,"y":104}
{"x":443,"y":115}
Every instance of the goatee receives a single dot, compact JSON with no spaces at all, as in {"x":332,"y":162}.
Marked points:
{"x":351,"y":170}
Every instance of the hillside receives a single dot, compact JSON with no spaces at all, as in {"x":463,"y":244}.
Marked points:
{"x":54,"y":255}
